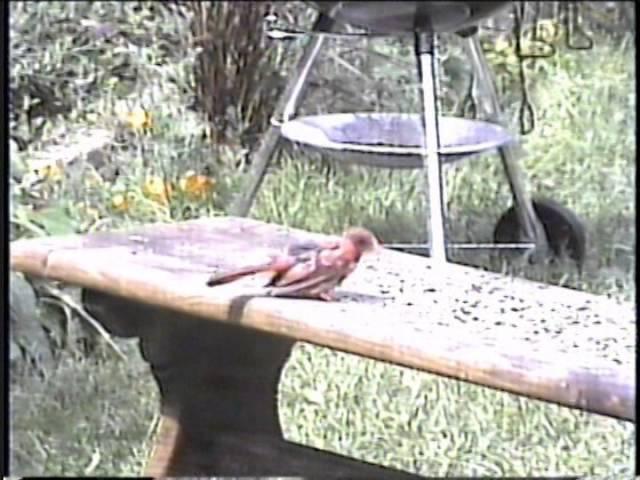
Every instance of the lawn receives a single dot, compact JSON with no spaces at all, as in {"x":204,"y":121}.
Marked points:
{"x":93,"y":414}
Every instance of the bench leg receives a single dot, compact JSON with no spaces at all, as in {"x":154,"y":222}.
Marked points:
{"x":218,"y":385}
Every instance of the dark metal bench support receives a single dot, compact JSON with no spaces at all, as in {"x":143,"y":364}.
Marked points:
{"x":218,"y":386}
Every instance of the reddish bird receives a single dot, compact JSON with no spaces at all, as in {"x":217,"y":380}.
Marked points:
{"x":309,"y":269}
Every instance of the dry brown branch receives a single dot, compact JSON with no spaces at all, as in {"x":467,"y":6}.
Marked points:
{"x":66,"y":302}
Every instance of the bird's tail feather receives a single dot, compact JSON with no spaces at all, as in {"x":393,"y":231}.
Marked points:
{"x":227,"y":277}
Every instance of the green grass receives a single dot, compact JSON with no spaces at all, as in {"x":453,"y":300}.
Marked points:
{"x":98,"y":411}
{"x":85,"y":410}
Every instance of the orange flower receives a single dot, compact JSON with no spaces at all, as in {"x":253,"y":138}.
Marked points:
{"x":196,"y":187}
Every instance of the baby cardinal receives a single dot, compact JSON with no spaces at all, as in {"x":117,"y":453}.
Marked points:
{"x":309,"y":269}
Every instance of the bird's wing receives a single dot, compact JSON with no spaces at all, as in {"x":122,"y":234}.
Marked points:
{"x":311,"y":275}
{"x":306,"y":247}
{"x":325,"y":279}
{"x":277,"y":264}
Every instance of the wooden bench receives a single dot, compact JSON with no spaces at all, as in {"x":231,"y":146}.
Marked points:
{"x":217,"y":353}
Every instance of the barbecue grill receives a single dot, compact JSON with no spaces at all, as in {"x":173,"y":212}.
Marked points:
{"x":424,"y":141}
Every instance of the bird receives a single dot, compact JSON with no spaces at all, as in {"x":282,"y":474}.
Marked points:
{"x":309,"y":269}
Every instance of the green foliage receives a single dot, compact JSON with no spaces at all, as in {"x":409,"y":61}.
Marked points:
{"x":28,"y":339}
{"x":85,"y":418}
{"x":92,"y":416}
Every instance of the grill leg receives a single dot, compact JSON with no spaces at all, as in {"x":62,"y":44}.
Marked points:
{"x":425,"y":48}
{"x":285,"y":108}
{"x":488,"y":102}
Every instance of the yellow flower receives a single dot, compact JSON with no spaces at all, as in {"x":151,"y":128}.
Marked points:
{"x":122,"y":202}
{"x":156,"y":189}
{"x":196,"y":187}
{"x":139,"y":120}
{"x":51,"y":172}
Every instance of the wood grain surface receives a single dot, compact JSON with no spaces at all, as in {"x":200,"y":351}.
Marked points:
{"x":529,"y":338}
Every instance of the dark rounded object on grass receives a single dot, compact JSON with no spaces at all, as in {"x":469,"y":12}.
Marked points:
{"x":565,"y":231}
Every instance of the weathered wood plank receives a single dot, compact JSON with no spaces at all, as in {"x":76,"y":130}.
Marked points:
{"x":542,"y":341}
